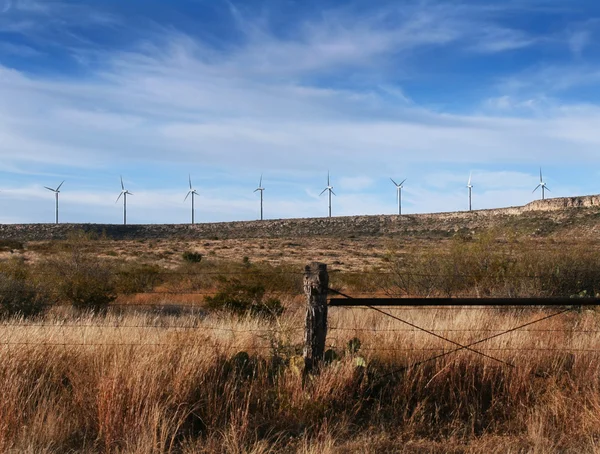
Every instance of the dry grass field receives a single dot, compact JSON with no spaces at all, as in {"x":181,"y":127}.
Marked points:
{"x":142,"y":383}
{"x":128,"y":347}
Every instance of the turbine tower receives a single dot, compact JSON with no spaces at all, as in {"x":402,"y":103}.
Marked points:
{"x":399,"y":194}
{"x":261,"y":189}
{"x":329,"y":188}
{"x":124,"y":193}
{"x":470,"y":188}
{"x":193,"y":192}
{"x":56,"y":192}
{"x":542,"y":185}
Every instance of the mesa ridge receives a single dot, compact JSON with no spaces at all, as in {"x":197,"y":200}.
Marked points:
{"x":541,"y":216}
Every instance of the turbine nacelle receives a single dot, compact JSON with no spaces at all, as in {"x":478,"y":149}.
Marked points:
{"x":124,"y":192}
{"x":57,"y":190}
{"x":328,"y":188}
{"x":193,"y":192}
{"x":542,"y":185}
{"x":399,"y":186}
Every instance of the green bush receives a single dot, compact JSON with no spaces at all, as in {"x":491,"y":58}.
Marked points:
{"x":20,"y":297}
{"x":192,"y":257}
{"x":88,"y":285}
{"x":138,"y":278}
{"x":11,"y":245}
{"x":243,"y":298}
{"x":80,"y":278}
{"x":18,"y":294}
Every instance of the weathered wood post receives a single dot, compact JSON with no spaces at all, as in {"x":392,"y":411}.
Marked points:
{"x":316,"y":282}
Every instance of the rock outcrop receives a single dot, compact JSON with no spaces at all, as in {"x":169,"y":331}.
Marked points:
{"x":347,"y":226}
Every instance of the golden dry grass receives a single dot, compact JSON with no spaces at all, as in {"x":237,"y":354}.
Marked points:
{"x":141,"y":383}
{"x":176,"y":378}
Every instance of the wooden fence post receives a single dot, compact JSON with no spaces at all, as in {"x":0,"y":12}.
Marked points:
{"x":316,"y":283}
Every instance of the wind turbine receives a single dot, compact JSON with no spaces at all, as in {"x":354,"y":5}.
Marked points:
{"x":470,"y":188}
{"x":541,"y":185}
{"x":329,"y":188}
{"x":193,"y":192}
{"x":261,"y":189}
{"x":56,"y":192}
{"x":399,"y":194}
{"x":124,"y":193}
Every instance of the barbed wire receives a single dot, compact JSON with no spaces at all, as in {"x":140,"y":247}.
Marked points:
{"x":465,"y":330}
{"x":140,"y":326}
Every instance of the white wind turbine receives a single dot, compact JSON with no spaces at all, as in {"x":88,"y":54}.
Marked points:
{"x":124,"y":193}
{"x":56,"y":192}
{"x":193,"y":192}
{"x":399,"y":194}
{"x":329,"y":188}
{"x":261,"y":189}
{"x":470,"y":188}
{"x":542,"y":185}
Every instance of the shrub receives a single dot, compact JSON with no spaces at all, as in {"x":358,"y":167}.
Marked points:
{"x":243,"y":298}
{"x":11,"y":245}
{"x":80,"y":278}
{"x":495,"y":264}
{"x":138,"y":278}
{"x":87,"y":284}
{"x":192,"y":257}
{"x":18,"y":295}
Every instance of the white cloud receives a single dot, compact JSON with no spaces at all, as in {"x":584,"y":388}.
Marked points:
{"x":494,"y":39}
{"x":251,"y":109}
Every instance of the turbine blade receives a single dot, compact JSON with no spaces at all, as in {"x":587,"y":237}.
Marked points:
{"x":60,"y":185}
{"x":394,"y":182}
{"x":260,"y":182}
{"x":122,"y":185}
{"x":403,"y":181}
{"x":536,"y":188}
{"x":323,"y":191}
{"x":49,"y":189}
{"x":190,"y":178}
{"x":187,"y":195}
{"x":328,"y":178}
{"x":257,"y":189}
{"x":119,"y":197}
{"x":548,"y":189}
{"x":333,"y":192}
{"x":541,"y":175}
{"x":470,"y":175}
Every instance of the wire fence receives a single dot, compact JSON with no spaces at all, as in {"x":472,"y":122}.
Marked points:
{"x":390,"y":331}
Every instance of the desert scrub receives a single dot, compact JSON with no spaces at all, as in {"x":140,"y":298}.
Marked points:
{"x":242,"y":298}
{"x":11,"y":245}
{"x":19,"y":295}
{"x":192,"y":257}
{"x":207,"y":275}
{"x":138,"y":278}
{"x":80,"y":278}
{"x":494,"y":263}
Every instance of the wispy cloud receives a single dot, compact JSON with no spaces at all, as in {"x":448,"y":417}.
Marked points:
{"x":329,"y":93}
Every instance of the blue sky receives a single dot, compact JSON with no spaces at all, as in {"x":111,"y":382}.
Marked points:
{"x":226,"y":90}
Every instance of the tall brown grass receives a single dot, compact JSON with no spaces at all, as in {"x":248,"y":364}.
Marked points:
{"x":141,"y":383}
